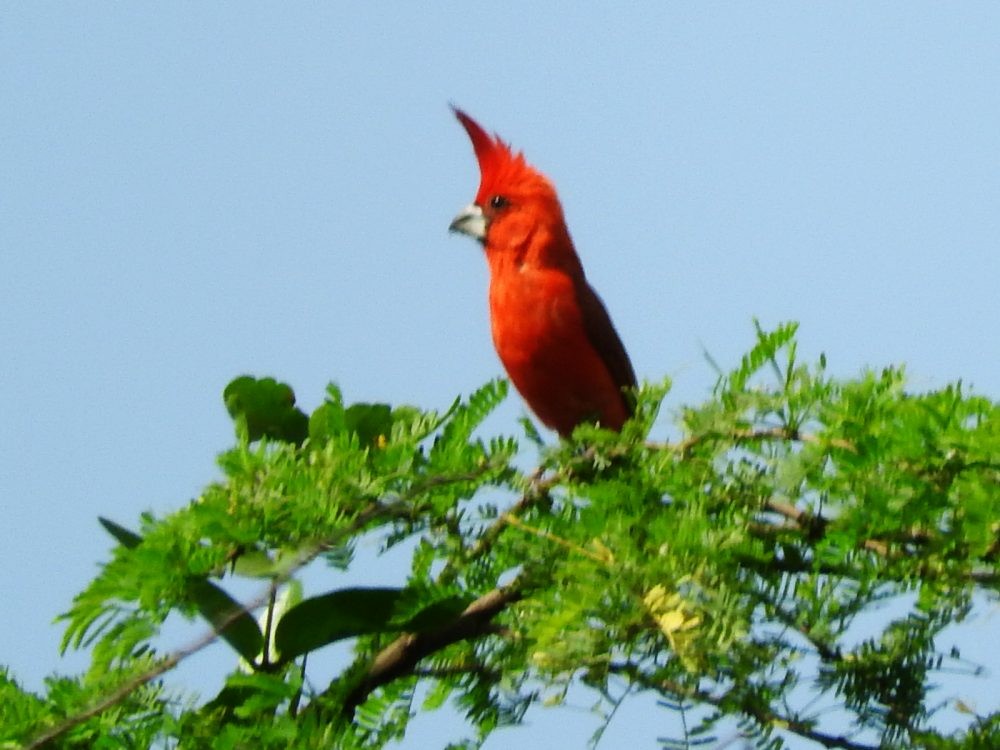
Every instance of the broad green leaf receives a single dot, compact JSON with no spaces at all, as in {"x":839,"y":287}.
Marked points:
{"x":254,"y":564}
{"x":345,"y":613}
{"x":233,"y":623}
{"x":327,"y":421}
{"x":267,"y":408}
{"x":369,"y":422}
{"x":437,"y":614}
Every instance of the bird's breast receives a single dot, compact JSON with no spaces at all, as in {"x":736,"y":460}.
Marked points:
{"x":541,"y":338}
{"x":532,"y":313}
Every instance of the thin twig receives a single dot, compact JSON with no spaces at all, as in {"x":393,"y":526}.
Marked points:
{"x":538,"y":486}
{"x":543,"y":534}
{"x":763,"y":715}
{"x":744,"y":435}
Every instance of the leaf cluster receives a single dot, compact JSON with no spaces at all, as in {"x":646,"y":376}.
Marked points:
{"x":800,"y":548}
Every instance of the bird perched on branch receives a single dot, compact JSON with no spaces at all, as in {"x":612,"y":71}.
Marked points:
{"x":550,"y":329}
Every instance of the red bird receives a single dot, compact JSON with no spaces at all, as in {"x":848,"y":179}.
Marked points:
{"x":550,"y":328}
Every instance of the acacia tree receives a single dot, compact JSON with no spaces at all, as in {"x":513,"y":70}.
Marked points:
{"x":722,"y":571}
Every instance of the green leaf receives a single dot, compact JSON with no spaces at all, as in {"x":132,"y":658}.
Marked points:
{"x":437,"y":614}
{"x":247,"y":693}
{"x":531,"y":432}
{"x":228,"y":617}
{"x":369,"y":421}
{"x":345,"y":613}
{"x":254,"y":563}
{"x":769,"y":343}
{"x":266,"y":408}
{"x":266,"y":692}
{"x":127,"y":539}
{"x":229,"y":698}
{"x":464,"y":417}
{"x":328,"y":419}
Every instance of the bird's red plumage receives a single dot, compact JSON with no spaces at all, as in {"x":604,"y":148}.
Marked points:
{"x":550,"y":329}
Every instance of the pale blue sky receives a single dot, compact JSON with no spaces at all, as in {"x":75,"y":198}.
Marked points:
{"x":193,"y":191}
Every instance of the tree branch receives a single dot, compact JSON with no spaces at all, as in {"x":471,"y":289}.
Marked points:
{"x":400,"y":657}
{"x":538,"y":487}
{"x":814,"y":526}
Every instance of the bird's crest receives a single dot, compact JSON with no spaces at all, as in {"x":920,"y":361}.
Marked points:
{"x":499,"y":167}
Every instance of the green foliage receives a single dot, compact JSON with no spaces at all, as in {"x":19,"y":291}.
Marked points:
{"x":800,"y":547}
{"x":264,"y":408}
{"x":139,"y":718}
{"x":227,"y":616}
{"x":346,"y":613}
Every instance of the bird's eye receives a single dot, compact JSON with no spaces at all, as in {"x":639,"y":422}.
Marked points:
{"x":498,"y":201}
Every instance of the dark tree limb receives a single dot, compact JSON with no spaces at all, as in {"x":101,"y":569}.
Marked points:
{"x":400,"y":657}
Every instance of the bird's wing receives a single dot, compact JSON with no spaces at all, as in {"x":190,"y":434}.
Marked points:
{"x":604,"y":338}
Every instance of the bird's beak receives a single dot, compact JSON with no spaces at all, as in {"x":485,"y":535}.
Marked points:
{"x":470,"y":221}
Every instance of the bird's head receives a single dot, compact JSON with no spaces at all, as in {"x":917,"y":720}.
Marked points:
{"x":514,"y":200}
